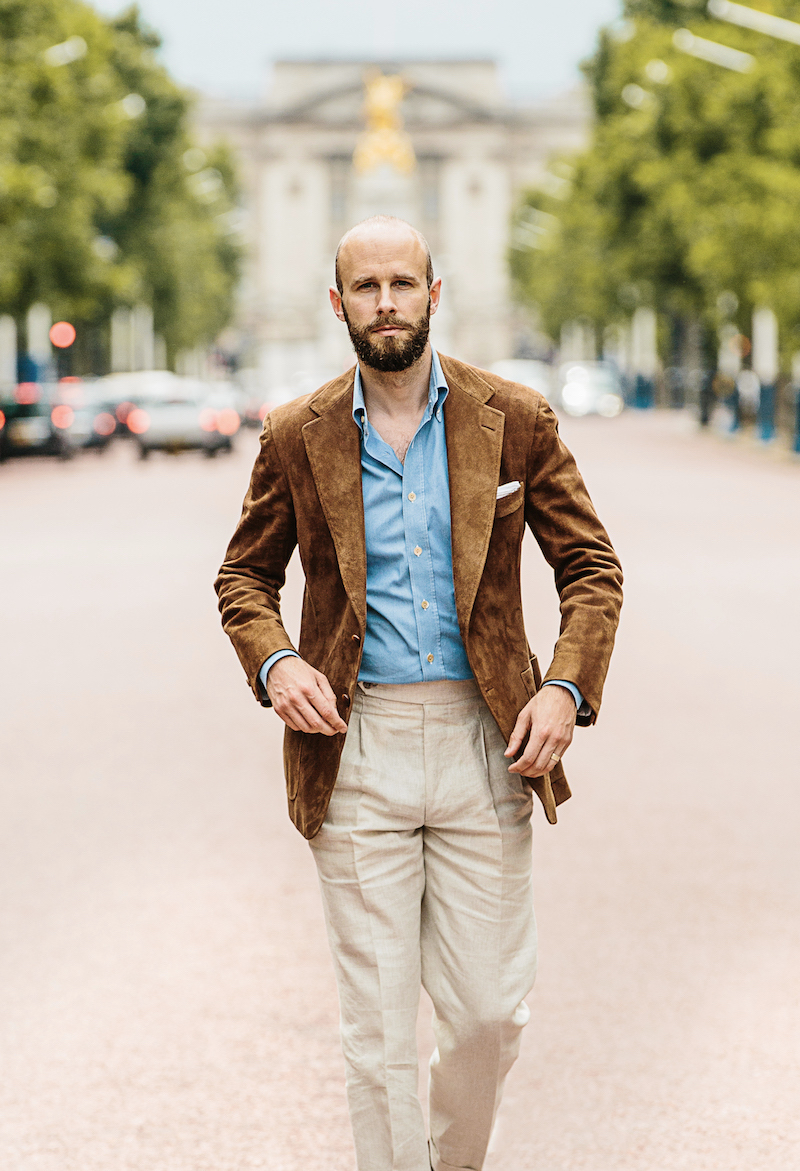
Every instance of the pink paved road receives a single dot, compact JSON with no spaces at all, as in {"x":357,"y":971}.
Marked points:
{"x":166,"y":997}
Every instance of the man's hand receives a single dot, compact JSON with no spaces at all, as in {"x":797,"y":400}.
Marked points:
{"x":548,"y":721}
{"x":303,"y":697}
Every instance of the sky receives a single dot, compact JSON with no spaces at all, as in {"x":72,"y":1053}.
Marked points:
{"x":223,"y":47}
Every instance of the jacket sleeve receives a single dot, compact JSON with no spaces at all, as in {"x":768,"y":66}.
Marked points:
{"x":252,"y":575}
{"x":588,"y":574}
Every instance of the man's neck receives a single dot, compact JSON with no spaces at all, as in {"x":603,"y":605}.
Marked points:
{"x":398,"y":394}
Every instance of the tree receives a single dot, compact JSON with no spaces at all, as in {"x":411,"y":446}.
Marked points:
{"x":102,"y":202}
{"x":60,"y":156}
{"x":179,"y":221}
{"x":688,"y":189}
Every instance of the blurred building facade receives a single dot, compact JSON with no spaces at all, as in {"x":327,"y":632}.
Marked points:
{"x":461,"y":155}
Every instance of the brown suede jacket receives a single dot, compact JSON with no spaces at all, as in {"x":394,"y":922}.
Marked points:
{"x":306,"y":490}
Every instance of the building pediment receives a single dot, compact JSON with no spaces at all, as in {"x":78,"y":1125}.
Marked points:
{"x":423,"y":105}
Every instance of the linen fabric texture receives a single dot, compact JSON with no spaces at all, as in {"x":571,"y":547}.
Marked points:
{"x":305,"y":491}
{"x":424,"y":862}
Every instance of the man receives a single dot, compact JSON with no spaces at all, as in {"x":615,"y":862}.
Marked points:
{"x":417,"y":727}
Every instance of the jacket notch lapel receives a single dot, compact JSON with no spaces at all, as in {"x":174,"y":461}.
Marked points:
{"x":334,"y":453}
{"x":474,"y":434}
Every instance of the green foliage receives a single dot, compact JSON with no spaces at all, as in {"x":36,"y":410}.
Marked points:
{"x":688,"y":189}
{"x":101,"y":203}
{"x":179,"y":222}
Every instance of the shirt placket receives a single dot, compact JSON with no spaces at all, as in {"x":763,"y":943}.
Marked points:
{"x":420,"y":560}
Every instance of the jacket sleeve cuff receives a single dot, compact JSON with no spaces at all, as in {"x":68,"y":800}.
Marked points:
{"x":583,"y":708}
{"x":265,"y":669}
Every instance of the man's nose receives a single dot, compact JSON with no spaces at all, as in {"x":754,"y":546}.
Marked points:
{"x":386,"y":302}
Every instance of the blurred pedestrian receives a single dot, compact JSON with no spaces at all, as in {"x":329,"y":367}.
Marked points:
{"x":406,"y":483}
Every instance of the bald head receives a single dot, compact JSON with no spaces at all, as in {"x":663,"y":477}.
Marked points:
{"x":381,"y":233}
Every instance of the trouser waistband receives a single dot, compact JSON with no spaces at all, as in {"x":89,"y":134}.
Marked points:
{"x":440,"y":691}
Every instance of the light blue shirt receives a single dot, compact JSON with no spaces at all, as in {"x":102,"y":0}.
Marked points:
{"x":412,"y":633}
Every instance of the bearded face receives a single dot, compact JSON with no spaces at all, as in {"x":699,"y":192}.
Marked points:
{"x":394,"y":353}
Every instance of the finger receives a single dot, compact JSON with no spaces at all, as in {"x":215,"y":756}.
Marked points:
{"x":323,"y":715}
{"x":549,"y":757}
{"x":296,"y":721}
{"x":537,"y":758}
{"x":556,"y":744}
{"x":333,"y":724}
{"x":325,"y":703}
{"x":543,"y":761}
{"x":531,"y":752}
{"x":517,"y":737}
{"x":301,"y":710}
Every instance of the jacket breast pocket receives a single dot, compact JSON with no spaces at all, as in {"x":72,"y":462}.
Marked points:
{"x":510,"y":503}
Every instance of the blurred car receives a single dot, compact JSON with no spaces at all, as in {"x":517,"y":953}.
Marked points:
{"x":94,"y":422}
{"x":52,"y":418}
{"x":190,"y":416}
{"x":529,"y":371}
{"x":125,"y":392}
{"x":590,"y":388}
{"x":258,"y":397}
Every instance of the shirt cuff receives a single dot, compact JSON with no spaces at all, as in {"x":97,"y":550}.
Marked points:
{"x":570,"y":687}
{"x":265,"y":668}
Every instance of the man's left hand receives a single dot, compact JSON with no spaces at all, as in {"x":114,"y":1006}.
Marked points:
{"x":548,"y":721}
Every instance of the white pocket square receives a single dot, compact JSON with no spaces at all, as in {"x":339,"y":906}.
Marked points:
{"x":507,"y":489}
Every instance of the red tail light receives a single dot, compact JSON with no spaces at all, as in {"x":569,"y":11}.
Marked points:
{"x":228,"y":421}
{"x":123,"y":410}
{"x":138,"y":421}
{"x":104,"y":423}
{"x":27,"y":393}
{"x":62,"y":416}
{"x":208,"y":419}
{"x":2,"y":420}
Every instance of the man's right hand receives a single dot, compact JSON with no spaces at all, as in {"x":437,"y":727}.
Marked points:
{"x":303,"y":697}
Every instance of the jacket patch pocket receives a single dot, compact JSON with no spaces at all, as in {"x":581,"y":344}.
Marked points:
{"x":532,"y":677}
{"x":508,"y":504}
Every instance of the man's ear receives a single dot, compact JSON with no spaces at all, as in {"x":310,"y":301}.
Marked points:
{"x":435,"y":294}
{"x":336,"y":302}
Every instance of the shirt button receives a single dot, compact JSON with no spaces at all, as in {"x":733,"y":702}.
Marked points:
{"x":424,"y":605}
{"x":417,"y":551}
{"x":430,"y":658}
{"x":412,"y":496}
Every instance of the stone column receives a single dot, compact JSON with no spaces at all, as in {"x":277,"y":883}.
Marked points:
{"x":645,"y":355}
{"x":765,"y":365}
{"x":39,"y":321}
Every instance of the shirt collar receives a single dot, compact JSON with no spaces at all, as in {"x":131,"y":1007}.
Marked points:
{"x":437,"y":393}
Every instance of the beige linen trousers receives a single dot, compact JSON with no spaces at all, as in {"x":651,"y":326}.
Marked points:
{"x":424,"y":861}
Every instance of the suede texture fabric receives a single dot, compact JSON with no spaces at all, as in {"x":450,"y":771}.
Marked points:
{"x":305,"y":490}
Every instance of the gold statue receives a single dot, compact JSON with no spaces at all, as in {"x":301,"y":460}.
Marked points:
{"x":384,"y":140}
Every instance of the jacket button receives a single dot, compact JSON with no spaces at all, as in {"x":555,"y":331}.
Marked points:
{"x":346,"y":699}
{"x":356,"y":638}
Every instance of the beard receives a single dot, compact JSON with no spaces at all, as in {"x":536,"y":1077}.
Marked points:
{"x":390,"y":354}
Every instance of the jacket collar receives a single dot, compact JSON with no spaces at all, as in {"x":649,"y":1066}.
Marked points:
{"x":468,"y":379}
